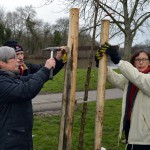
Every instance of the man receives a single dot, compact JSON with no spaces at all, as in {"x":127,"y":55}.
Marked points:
{"x":16,"y":92}
{"x":28,"y":68}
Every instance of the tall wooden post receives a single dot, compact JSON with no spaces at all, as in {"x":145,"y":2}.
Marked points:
{"x":68,"y":99}
{"x":101,"y":88}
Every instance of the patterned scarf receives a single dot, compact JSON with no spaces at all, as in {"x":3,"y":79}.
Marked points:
{"x":22,"y":69}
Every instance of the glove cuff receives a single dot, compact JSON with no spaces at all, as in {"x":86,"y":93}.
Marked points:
{"x":116,"y":59}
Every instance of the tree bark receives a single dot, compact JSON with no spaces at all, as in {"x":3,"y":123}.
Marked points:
{"x":68,"y":99}
{"x":101,"y":88}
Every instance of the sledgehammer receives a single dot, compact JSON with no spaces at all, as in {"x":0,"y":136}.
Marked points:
{"x":52,"y":49}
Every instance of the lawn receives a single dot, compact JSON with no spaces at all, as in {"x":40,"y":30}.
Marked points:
{"x":46,"y":128}
{"x":56,"y":84}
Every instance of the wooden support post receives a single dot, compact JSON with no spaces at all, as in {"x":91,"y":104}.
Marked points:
{"x":102,"y":70}
{"x":68,"y":99}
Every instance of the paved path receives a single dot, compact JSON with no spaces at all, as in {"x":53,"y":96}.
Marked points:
{"x":53,"y":101}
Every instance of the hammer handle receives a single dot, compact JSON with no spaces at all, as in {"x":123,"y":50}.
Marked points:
{"x":51,"y":73}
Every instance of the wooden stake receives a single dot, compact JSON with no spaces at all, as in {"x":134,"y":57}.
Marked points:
{"x":101,"y":88}
{"x":68,"y":99}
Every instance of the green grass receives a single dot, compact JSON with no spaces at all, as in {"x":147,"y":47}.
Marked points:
{"x":46,"y":128}
{"x":56,"y":85}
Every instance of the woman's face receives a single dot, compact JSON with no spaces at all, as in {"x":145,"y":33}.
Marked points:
{"x":142,"y":62}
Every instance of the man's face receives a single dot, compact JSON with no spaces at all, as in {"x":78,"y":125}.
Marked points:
{"x":11,"y":65}
{"x":20,"y":57}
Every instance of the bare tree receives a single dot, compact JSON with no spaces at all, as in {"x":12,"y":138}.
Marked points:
{"x":16,"y":20}
{"x":2,"y":13}
{"x":88,"y":77}
{"x":128,"y":17}
{"x":47,"y":34}
{"x":25,"y":27}
{"x":62,"y":25}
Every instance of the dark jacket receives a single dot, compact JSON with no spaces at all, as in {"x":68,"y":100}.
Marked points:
{"x":32,"y":68}
{"x":16,"y":114}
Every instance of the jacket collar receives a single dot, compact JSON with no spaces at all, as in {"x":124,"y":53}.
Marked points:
{"x":25,"y":66}
{"x":13,"y":74}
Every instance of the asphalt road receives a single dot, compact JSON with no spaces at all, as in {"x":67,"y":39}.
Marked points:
{"x":52,"y":102}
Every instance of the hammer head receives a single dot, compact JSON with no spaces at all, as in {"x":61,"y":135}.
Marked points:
{"x":52,"y":49}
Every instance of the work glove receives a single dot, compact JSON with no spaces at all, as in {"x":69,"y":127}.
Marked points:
{"x":112,"y":51}
{"x":98,"y":56}
{"x":64,"y":57}
{"x":64,"y":51}
{"x":62,"y":54}
{"x":109,"y":50}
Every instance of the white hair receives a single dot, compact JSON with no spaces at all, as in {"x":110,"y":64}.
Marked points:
{"x":6,"y":53}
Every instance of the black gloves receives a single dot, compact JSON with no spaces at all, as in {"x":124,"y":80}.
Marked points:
{"x":98,"y":56}
{"x":109,"y":50}
{"x":97,"y":62}
{"x":112,"y":51}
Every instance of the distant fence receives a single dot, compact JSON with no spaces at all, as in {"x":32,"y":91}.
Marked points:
{"x":83,"y":56}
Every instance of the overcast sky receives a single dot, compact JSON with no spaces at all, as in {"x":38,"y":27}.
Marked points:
{"x":48,"y":13}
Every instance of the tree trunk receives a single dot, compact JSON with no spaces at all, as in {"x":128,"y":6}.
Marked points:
{"x":128,"y":47}
{"x":88,"y":77}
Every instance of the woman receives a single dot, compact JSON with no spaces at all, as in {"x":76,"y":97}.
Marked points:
{"x":16,"y":94}
{"x":134,"y":80}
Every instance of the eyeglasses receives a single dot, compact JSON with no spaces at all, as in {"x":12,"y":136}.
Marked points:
{"x":141,"y":60}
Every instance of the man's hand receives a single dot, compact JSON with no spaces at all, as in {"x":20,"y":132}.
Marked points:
{"x":50,"y":63}
{"x":62,"y":54}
